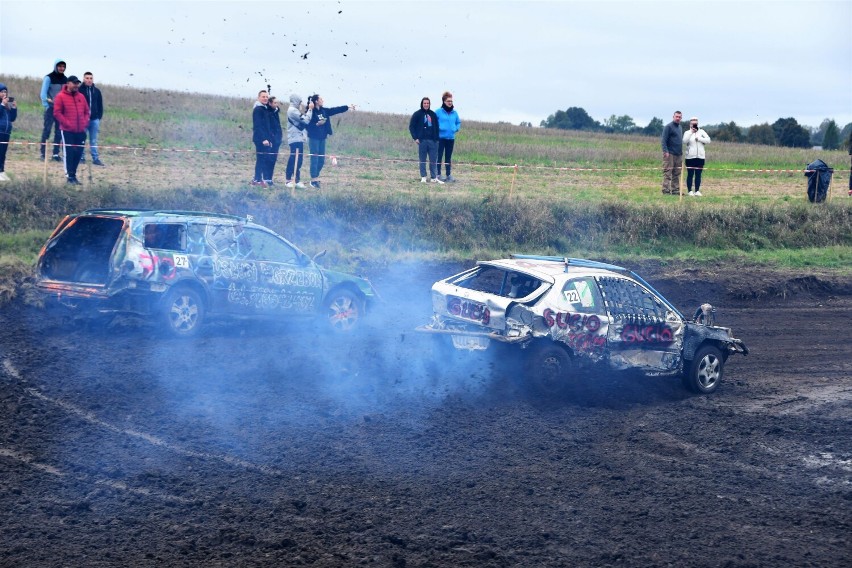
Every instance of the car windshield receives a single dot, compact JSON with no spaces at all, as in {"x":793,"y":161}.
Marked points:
{"x":498,"y":281}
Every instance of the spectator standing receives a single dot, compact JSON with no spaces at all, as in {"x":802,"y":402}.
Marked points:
{"x":72,"y":113}
{"x":52,"y":84}
{"x":672,"y":143}
{"x":448,"y":124}
{"x":695,"y":138}
{"x":96,"y":108}
{"x":8,"y":114}
{"x":297,"y":121}
{"x":319,"y":129}
{"x":849,"y":143}
{"x":423,"y":127}
{"x":262,"y":137}
{"x":277,"y":137}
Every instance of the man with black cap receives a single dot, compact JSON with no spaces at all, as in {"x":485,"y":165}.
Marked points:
{"x":72,"y":113}
{"x":50,"y":87}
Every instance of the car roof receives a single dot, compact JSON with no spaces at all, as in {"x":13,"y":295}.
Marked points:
{"x":550,"y":267}
{"x":160,"y":213}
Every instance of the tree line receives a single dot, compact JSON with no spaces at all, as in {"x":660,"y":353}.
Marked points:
{"x":782,"y":132}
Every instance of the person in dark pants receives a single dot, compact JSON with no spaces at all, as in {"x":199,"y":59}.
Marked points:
{"x":672,"y":143}
{"x":277,"y":137}
{"x":694,"y":139}
{"x":297,"y":121}
{"x":52,"y":84}
{"x":319,"y":129}
{"x":448,"y":125}
{"x":423,"y":127}
{"x":71,"y":112}
{"x":262,"y":137}
{"x":96,"y":107}
{"x":850,"y":163}
{"x":8,"y":114}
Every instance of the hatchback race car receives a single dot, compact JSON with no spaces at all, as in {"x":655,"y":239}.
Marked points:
{"x":182,"y":267}
{"x":569,"y":313}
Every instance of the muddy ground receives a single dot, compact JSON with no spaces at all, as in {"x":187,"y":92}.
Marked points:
{"x":278,"y":446}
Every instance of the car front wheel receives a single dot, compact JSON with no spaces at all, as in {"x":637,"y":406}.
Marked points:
{"x":343,"y":310}
{"x":705,"y":371}
{"x":182,"y":312}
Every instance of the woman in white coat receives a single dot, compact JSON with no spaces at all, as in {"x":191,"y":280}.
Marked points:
{"x":695,"y":138}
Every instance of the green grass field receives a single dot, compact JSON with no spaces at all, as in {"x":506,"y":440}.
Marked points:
{"x":520,"y":189}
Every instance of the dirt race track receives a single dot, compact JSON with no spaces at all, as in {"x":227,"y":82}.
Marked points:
{"x":278,"y":446}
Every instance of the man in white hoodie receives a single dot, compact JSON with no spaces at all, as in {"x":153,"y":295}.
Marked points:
{"x":297,"y":121}
{"x":695,"y":138}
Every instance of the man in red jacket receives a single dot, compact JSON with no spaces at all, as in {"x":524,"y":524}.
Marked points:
{"x":72,"y":113}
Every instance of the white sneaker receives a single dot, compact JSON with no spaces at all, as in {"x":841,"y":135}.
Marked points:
{"x":697,"y":194}
{"x":691,"y":193}
{"x":290,"y":184}
{"x":436,"y":180}
{"x":422,"y":180}
{"x":3,"y":176}
{"x":300,"y":185}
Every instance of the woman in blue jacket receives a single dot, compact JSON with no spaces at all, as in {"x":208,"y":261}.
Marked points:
{"x":448,"y":125}
{"x":8,"y":114}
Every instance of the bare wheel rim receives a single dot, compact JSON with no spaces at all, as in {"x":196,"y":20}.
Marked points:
{"x":709,"y":371}
{"x":183,"y":314}
{"x":550,"y":373}
{"x":343,"y":313}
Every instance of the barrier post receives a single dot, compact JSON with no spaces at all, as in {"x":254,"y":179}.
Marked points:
{"x":512,"y":187}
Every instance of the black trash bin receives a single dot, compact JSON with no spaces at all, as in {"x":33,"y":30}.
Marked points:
{"x":819,"y":178}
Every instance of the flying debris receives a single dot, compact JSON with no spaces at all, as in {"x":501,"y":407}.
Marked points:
{"x":305,"y":56}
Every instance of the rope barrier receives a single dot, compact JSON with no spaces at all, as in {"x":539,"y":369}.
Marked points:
{"x":516,"y":167}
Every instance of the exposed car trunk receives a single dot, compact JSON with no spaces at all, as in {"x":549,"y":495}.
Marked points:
{"x":81,"y":252}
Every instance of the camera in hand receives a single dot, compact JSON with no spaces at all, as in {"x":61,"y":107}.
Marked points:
{"x":11,"y":99}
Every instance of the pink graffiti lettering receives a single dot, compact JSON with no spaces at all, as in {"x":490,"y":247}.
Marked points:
{"x":468,"y":310}
{"x":574,"y":322}
{"x":658,"y":333}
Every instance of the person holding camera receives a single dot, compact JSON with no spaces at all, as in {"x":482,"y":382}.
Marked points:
{"x":423,"y":128}
{"x":8,"y":114}
{"x":319,"y":129}
{"x":695,"y":138}
{"x":672,"y":155}
{"x":298,"y":119}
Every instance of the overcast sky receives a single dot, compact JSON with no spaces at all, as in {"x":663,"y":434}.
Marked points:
{"x":747,"y":61}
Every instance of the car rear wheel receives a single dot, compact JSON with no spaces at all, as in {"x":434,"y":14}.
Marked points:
{"x":343,"y":310}
{"x":182,"y":312}
{"x":548,"y":369}
{"x":705,"y":371}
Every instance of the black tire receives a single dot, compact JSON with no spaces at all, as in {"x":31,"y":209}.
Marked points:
{"x":182,"y":312}
{"x":705,"y":370}
{"x":343,"y":310}
{"x":548,"y":369}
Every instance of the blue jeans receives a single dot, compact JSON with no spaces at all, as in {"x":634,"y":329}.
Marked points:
{"x":93,"y":129}
{"x":317,"y":148}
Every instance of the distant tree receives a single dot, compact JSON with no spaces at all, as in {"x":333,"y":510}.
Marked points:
{"x":623,"y":123}
{"x":831,"y":138}
{"x":845,"y":134}
{"x":574,"y":118}
{"x":761,"y":134}
{"x":790,"y":133}
{"x":526,"y":124}
{"x":819,"y":133}
{"x":654,"y":128}
{"x":729,"y":132}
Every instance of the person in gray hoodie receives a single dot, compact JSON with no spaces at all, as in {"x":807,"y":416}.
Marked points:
{"x":51,"y":85}
{"x":297,"y":121}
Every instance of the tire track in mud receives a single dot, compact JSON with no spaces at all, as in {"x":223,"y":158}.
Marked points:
{"x":92,"y":419}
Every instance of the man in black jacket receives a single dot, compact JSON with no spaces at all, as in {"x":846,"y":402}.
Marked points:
{"x":263,"y":138}
{"x":672,"y":144}
{"x":424,"y":130}
{"x":96,"y":106}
